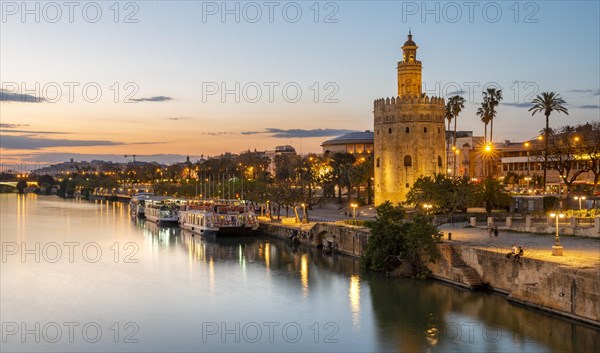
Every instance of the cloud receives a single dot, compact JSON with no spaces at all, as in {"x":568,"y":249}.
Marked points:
{"x":216,"y":133}
{"x":459,"y":92}
{"x":519,"y":105}
{"x":589,"y":106}
{"x":6,"y":96}
{"x":152,"y":99}
{"x":298,"y":133}
{"x":179,"y":118}
{"x":12,"y":126}
{"x":593,"y":92}
{"x":31,"y":143}
{"x":33,"y":132}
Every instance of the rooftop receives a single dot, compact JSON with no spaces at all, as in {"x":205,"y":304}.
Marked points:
{"x":366,"y":136}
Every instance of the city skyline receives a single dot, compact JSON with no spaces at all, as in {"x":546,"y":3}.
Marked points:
{"x":162,"y":78}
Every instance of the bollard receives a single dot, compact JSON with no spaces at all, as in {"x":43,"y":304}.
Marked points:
{"x":597,"y":224}
{"x":573,"y":222}
{"x":528,"y":221}
{"x":473,"y":221}
{"x":490,"y":221}
{"x":509,"y":222}
{"x":449,"y":236}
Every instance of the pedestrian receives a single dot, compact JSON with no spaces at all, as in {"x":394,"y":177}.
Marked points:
{"x":490,"y":231}
{"x":495,"y":231}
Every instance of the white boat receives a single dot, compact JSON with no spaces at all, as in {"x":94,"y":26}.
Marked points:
{"x":218,"y":217}
{"x":160,"y":210}
{"x":138,"y":202}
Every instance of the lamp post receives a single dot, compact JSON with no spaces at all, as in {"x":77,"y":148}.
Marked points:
{"x":304,"y":218}
{"x":353,"y":210}
{"x":427,"y":207}
{"x":527,"y":145}
{"x":579,"y":198}
{"x":557,"y":249}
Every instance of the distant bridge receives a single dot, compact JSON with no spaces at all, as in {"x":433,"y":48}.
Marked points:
{"x":14,"y":183}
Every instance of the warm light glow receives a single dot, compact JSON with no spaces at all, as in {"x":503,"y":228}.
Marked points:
{"x":527,"y":144}
{"x":354,"y":296}
{"x":304,"y":274}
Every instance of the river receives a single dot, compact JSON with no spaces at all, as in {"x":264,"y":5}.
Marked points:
{"x":79,"y":276}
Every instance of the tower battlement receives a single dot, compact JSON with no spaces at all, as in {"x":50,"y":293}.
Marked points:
{"x":409,"y":100}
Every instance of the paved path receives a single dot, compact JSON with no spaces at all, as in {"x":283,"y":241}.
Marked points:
{"x":578,"y":251}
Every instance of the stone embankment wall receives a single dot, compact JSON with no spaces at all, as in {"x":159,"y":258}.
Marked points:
{"x":563,"y":290}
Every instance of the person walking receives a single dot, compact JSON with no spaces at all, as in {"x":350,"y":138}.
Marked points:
{"x":496,"y":231}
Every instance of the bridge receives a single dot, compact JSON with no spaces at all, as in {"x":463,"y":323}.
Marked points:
{"x":14,"y":183}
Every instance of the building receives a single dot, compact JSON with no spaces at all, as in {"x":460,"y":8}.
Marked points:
{"x":358,"y":143}
{"x":409,"y":133}
{"x":278,"y":151}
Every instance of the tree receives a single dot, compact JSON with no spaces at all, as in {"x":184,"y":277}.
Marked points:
{"x":565,"y":155}
{"x":449,"y":116}
{"x":446,"y":195}
{"x":547,"y":102}
{"x":342,"y":164}
{"x":457,"y":104}
{"x":492,"y":98}
{"x":484,"y":115}
{"x":590,"y":147}
{"x":21,"y":185}
{"x":398,"y":244}
{"x":490,"y":194}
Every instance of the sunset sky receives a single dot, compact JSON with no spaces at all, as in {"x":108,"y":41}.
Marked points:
{"x":161,"y":69}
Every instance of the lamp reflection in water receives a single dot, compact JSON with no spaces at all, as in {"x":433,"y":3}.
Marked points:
{"x":304,"y":274}
{"x":354,"y":296}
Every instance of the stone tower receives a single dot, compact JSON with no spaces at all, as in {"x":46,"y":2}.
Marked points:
{"x":409,"y":133}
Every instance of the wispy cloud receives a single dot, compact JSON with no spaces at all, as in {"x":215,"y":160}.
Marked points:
{"x":152,"y":99}
{"x":519,"y":105}
{"x":56,"y":157}
{"x":6,"y":96}
{"x":216,"y":133}
{"x":593,"y":92}
{"x":459,"y":92}
{"x":32,"y":143}
{"x":179,"y":118}
{"x":33,"y":132}
{"x":589,"y":106}
{"x":12,"y":126}
{"x":298,"y":133}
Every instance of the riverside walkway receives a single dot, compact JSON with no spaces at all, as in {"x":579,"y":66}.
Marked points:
{"x":579,"y":252}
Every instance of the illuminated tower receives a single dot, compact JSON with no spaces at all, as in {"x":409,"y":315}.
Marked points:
{"x":409,"y":133}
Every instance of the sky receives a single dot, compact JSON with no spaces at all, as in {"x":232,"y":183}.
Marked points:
{"x":163,"y":80}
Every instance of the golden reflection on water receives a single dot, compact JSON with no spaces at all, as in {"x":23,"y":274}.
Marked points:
{"x":268,"y":255}
{"x":304,"y":274}
{"x":354,"y":296}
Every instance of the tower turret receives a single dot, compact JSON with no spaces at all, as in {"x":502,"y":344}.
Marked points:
{"x":409,"y":70}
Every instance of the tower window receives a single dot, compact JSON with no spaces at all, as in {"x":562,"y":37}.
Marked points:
{"x":439,"y":131}
{"x":407,"y":130}
{"x":407,"y":161}
{"x":390,"y":130}
{"x":407,"y":185}
{"x":424,"y":129}
{"x":439,"y":161}
{"x":377,"y":162}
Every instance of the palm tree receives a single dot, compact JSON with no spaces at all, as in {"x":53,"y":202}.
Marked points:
{"x":482,"y":112}
{"x":449,"y":116}
{"x":492,"y":99}
{"x":547,"y":102}
{"x":457,"y":104}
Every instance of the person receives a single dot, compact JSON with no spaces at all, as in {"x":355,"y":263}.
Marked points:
{"x":490,"y":231}
{"x":495,"y":231}
{"x":513,"y":252}
{"x":520,"y":253}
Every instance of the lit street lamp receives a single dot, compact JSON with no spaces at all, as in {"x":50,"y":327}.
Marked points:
{"x":353,"y":210}
{"x":427,"y":207}
{"x":304,"y":218}
{"x":557,"y":249}
{"x":579,"y":198}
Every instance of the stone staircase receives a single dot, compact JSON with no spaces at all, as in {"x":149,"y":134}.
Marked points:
{"x":463,"y":273}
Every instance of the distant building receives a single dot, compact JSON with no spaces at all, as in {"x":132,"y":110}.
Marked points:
{"x":278,"y":151}
{"x":409,"y":139}
{"x":359,"y":143}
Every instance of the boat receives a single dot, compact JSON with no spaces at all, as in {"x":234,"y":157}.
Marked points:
{"x":218,"y":217}
{"x":138,"y":202}
{"x":161,"y":209}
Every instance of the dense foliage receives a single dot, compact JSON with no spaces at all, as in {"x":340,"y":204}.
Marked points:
{"x":399,"y":245}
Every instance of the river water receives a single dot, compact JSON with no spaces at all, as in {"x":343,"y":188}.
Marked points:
{"x":78,"y":276}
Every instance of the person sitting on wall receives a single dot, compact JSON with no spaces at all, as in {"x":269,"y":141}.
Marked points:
{"x":513,"y":252}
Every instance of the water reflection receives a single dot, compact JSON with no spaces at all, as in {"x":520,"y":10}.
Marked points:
{"x":182,"y":281}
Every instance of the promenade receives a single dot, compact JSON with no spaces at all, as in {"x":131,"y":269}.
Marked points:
{"x":579,"y":252}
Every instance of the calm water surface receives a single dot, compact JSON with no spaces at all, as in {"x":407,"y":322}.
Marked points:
{"x":86,"y":277}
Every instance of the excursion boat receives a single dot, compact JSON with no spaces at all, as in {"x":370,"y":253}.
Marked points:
{"x":138,"y":202}
{"x":218,"y":217}
{"x":161,"y":210}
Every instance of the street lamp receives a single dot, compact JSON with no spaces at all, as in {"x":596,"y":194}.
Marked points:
{"x":579,"y":198}
{"x":557,"y":249}
{"x":353,"y":210}
{"x":527,"y":145}
{"x":304,"y":218}
{"x":427,"y":207}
